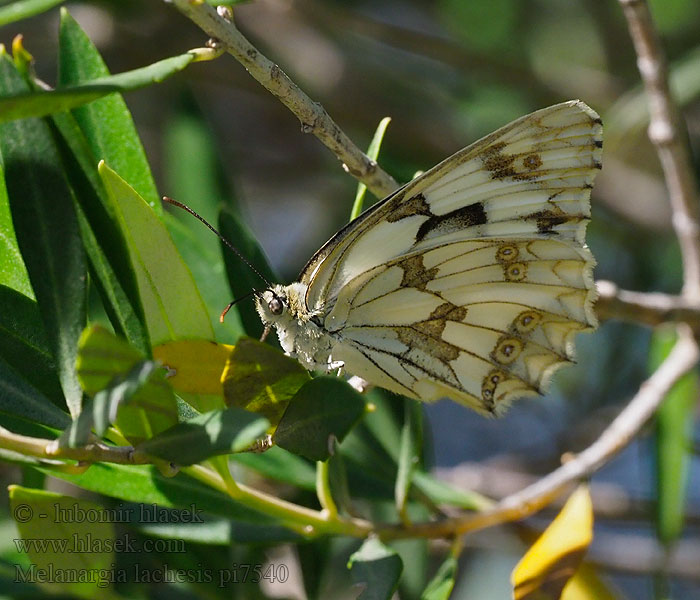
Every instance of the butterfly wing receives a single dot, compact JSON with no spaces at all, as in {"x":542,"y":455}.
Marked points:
{"x":471,"y":280}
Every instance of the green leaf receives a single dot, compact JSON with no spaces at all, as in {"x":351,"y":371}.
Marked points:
{"x":102,"y":236}
{"x":410,"y":451}
{"x":146,"y":485}
{"x":24,"y":345}
{"x":194,"y":175}
{"x":674,"y":435}
{"x":241,"y":278}
{"x":326,"y":406}
{"x":40,"y":103}
{"x":20,"y":398}
{"x":206,"y":435}
{"x":373,"y":153}
{"x":107,"y":122}
{"x":23,"y":9}
{"x":39,"y":516}
{"x":440,"y":586}
{"x":102,"y":412}
{"x":116,"y":375}
{"x":280,"y":465}
{"x":261,"y":379}
{"x":377,"y":569}
{"x":47,"y":232}
{"x":171,"y":302}
{"x":13,"y":273}
{"x":441,"y":493}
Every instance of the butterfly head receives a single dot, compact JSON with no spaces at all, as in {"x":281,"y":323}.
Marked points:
{"x":272,"y":305}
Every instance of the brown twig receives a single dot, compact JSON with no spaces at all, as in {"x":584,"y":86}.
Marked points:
{"x":643,"y":307}
{"x":314,"y":119}
{"x":617,"y":435}
{"x":667,"y":135}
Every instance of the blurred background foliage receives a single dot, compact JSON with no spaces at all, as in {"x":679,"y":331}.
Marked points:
{"x":446,"y":72}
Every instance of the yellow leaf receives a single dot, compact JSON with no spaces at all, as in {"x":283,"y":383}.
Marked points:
{"x":195,"y":366}
{"x":586,"y":585}
{"x":554,"y":558}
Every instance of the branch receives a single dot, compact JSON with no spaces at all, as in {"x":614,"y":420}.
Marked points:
{"x":665,"y":132}
{"x":644,"y":308}
{"x":314,"y":119}
{"x":617,"y":436}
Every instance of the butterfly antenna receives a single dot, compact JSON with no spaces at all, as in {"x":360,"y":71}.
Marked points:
{"x":233,"y":303}
{"x":225,"y":241}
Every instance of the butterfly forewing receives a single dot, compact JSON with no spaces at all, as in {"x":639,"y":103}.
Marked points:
{"x":471,"y":280}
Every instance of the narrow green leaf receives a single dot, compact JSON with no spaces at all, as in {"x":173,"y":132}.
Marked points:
{"x":206,"y":435}
{"x":280,"y":465}
{"x":241,"y":278}
{"x":261,"y":379}
{"x":118,"y":378}
{"x":195,"y":176}
{"x":338,"y":480}
{"x":323,"y":408}
{"x":410,"y":452}
{"x":23,"y":9}
{"x":20,"y":398}
{"x":373,"y":153}
{"x":440,"y":492}
{"x":116,"y":303}
{"x":13,"y":273}
{"x":102,"y":236}
{"x":674,"y":434}
{"x":47,"y":232}
{"x":172,"y":304}
{"x":40,"y":103}
{"x":146,"y":485}
{"x":106,"y":122}
{"x":377,"y":569}
{"x":39,"y":515}
{"x":440,"y":586}
{"x":24,"y":344}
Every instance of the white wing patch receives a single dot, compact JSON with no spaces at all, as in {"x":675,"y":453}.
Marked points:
{"x":472,"y":280}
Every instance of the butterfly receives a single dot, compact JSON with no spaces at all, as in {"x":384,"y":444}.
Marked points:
{"x":469,"y":282}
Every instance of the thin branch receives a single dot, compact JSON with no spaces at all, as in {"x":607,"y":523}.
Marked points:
{"x":668,"y":136}
{"x":617,"y":436}
{"x":314,"y":119}
{"x":644,"y":308}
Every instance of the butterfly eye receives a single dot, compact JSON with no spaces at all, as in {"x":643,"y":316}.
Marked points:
{"x":275,"y":305}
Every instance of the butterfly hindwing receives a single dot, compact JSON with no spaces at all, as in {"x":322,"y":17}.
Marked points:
{"x":470,"y":281}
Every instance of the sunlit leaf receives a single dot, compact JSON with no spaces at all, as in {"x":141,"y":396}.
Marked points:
{"x":556,"y":555}
{"x":109,"y":370}
{"x":194,"y":366}
{"x":373,"y":153}
{"x":261,"y":379}
{"x":171,"y":301}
